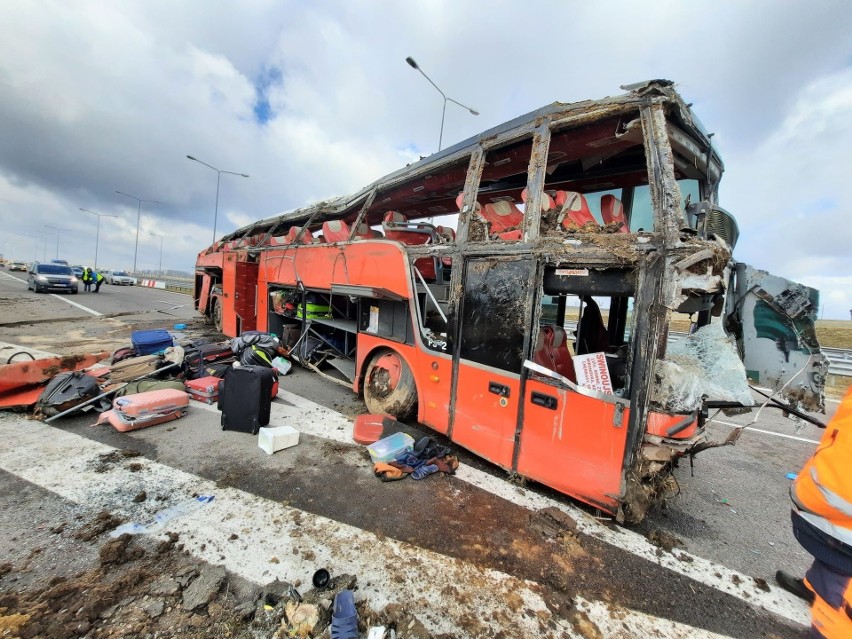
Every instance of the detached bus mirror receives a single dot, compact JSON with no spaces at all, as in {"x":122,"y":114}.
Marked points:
{"x":710,"y":219}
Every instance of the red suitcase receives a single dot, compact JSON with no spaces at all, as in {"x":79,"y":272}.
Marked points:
{"x":204,"y":389}
{"x":141,"y":410}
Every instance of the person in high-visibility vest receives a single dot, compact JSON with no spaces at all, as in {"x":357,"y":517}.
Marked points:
{"x":97,"y":280}
{"x":822,"y":524}
{"x":87,"y":280}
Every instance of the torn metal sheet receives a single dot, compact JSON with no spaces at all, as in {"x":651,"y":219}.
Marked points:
{"x":774,"y":323}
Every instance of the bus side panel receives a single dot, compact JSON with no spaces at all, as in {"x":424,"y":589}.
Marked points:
{"x":486,"y":412}
{"x":203,"y":295}
{"x":434,"y":377}
{"x":572,"y":443}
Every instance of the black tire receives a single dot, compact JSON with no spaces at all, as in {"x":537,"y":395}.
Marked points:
{"x":37,"y":289}
{"x":75,"y":291}
{"x":381,"y":394}
{"x":216,"y":314}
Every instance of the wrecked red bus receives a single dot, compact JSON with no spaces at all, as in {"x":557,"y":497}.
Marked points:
{"x":514,"y":292}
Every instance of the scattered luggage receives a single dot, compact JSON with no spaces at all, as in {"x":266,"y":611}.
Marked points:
{"x":122,"y":354}
{"x":255,"y":348}
{"x":141,"y":410}
{"x":245,"y":398}
{"x":134,"y":367}
{"x":198,"y":357}
{"x":216,"y":370}
{"x":204,"y":389}
{"x":65,"y":391}
{"x":151,"y":342}
{"x":145,"y":385}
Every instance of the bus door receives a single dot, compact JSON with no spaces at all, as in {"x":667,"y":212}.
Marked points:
{"x":493,"y":333}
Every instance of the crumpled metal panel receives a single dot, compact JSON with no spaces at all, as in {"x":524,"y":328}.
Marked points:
{"x":774,"y":322}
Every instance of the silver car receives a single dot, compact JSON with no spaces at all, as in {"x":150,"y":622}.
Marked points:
{"x":120,"y":278}
{"x":52,"y":277}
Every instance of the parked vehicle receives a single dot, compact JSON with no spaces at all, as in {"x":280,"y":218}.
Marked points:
{"x":56,"y":277}
{"x":607,"y":206}
{"x":63,"y":262}
{"x":18,"y":266}
{"x":78,"y":271}
{"x":119,"y":278}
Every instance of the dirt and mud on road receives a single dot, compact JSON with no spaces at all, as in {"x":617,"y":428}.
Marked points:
{"x":470,"y":555}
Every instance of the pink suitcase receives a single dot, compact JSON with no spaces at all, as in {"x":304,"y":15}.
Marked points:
{"x":141,"y":410}
{"x":204,"y":389}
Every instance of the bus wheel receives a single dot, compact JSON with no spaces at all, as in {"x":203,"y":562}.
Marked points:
{"x":389,"y":386}
{"x":216,"y":313}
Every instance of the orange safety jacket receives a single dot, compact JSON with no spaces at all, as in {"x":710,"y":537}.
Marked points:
{"x":822,"y":491}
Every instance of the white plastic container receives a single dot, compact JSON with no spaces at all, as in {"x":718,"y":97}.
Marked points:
{"x":391,"y":447}
{"x":273,"y":439}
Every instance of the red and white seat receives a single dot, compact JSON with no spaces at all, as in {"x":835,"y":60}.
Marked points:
{"x":574,"y":209}
{"x":552,"y":351}
{"x":306,"y":238}
{"x":612,"y":211}
{"x":335,"y":231}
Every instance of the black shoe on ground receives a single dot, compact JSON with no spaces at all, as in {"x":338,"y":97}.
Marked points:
{"x":796,"y":586}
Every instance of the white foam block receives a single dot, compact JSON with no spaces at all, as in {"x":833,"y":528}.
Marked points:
{"x":273,"y":439}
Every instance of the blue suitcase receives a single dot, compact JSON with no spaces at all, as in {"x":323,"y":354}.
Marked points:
{"x":151,"y":342}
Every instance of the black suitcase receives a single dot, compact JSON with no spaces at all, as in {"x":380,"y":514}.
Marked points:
{"x":200,"y":356}
{"x":245,"y":398}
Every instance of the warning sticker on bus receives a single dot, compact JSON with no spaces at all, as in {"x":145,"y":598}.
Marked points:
{"x":581,"y":272}
{"x":592,"y":372}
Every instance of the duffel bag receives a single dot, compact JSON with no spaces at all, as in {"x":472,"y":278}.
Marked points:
{"x":135,"y":367}
{"x":199,"y":356}
{"x":145,"y":385}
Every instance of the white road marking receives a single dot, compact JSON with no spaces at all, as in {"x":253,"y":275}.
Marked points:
{"x":64,"y":299}
{"x":80,"y":306}
{"x":765,"y":432}
{"x":264,"y":533}
{"x":319,"y":421}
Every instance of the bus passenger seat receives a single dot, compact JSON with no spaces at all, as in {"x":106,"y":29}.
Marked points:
{"x":574,"y":209}
{"x":547,"y":203}
{"x":552,"y":351}
{"x":445,"y":234}
{"x":397,"y":228}
{"x":502,"y":216}
{"x":364,"y":232}
{"x":307,"y":238}
{"x":335,"y":231}
{"x":612,"y":211}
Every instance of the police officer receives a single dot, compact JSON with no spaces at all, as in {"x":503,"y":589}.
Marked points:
{"x":822,"y":524}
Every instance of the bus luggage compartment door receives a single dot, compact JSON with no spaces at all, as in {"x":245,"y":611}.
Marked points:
{"x":495,"y":318}
{"x":573,"y":443}
{"x":245,"y":295}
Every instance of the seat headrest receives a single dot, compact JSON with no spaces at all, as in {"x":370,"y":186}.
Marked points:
{"x":547,"y":202}
{"x":395,"y":216}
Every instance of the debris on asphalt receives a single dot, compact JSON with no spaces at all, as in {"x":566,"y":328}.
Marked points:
{"x":662,"y":539}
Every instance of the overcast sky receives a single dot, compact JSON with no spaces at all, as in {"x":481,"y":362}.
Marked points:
{"x":314,"y":99}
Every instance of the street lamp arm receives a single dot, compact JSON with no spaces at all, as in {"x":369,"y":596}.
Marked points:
{"x":432,"y":83}
{"x":194,"y":159}
{"x":472,"y":111}
{"x":234,"y":173}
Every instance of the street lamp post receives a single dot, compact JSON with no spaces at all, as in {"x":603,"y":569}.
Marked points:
{"x":160,"y":270}
{"x":58,"y":230}
{"x":414,"y":65}
{"x":219,"y":173}
{"x":138,"y":217}
{"x":98,"y":234}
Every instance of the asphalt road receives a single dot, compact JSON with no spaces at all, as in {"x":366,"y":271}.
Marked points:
{"x":111,"y":300}
{"x":732,"y":509}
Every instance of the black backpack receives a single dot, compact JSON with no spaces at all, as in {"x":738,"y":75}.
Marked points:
{"x":65,"y":391}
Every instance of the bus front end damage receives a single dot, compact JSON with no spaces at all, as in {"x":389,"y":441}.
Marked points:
{"x":765,"y":336}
